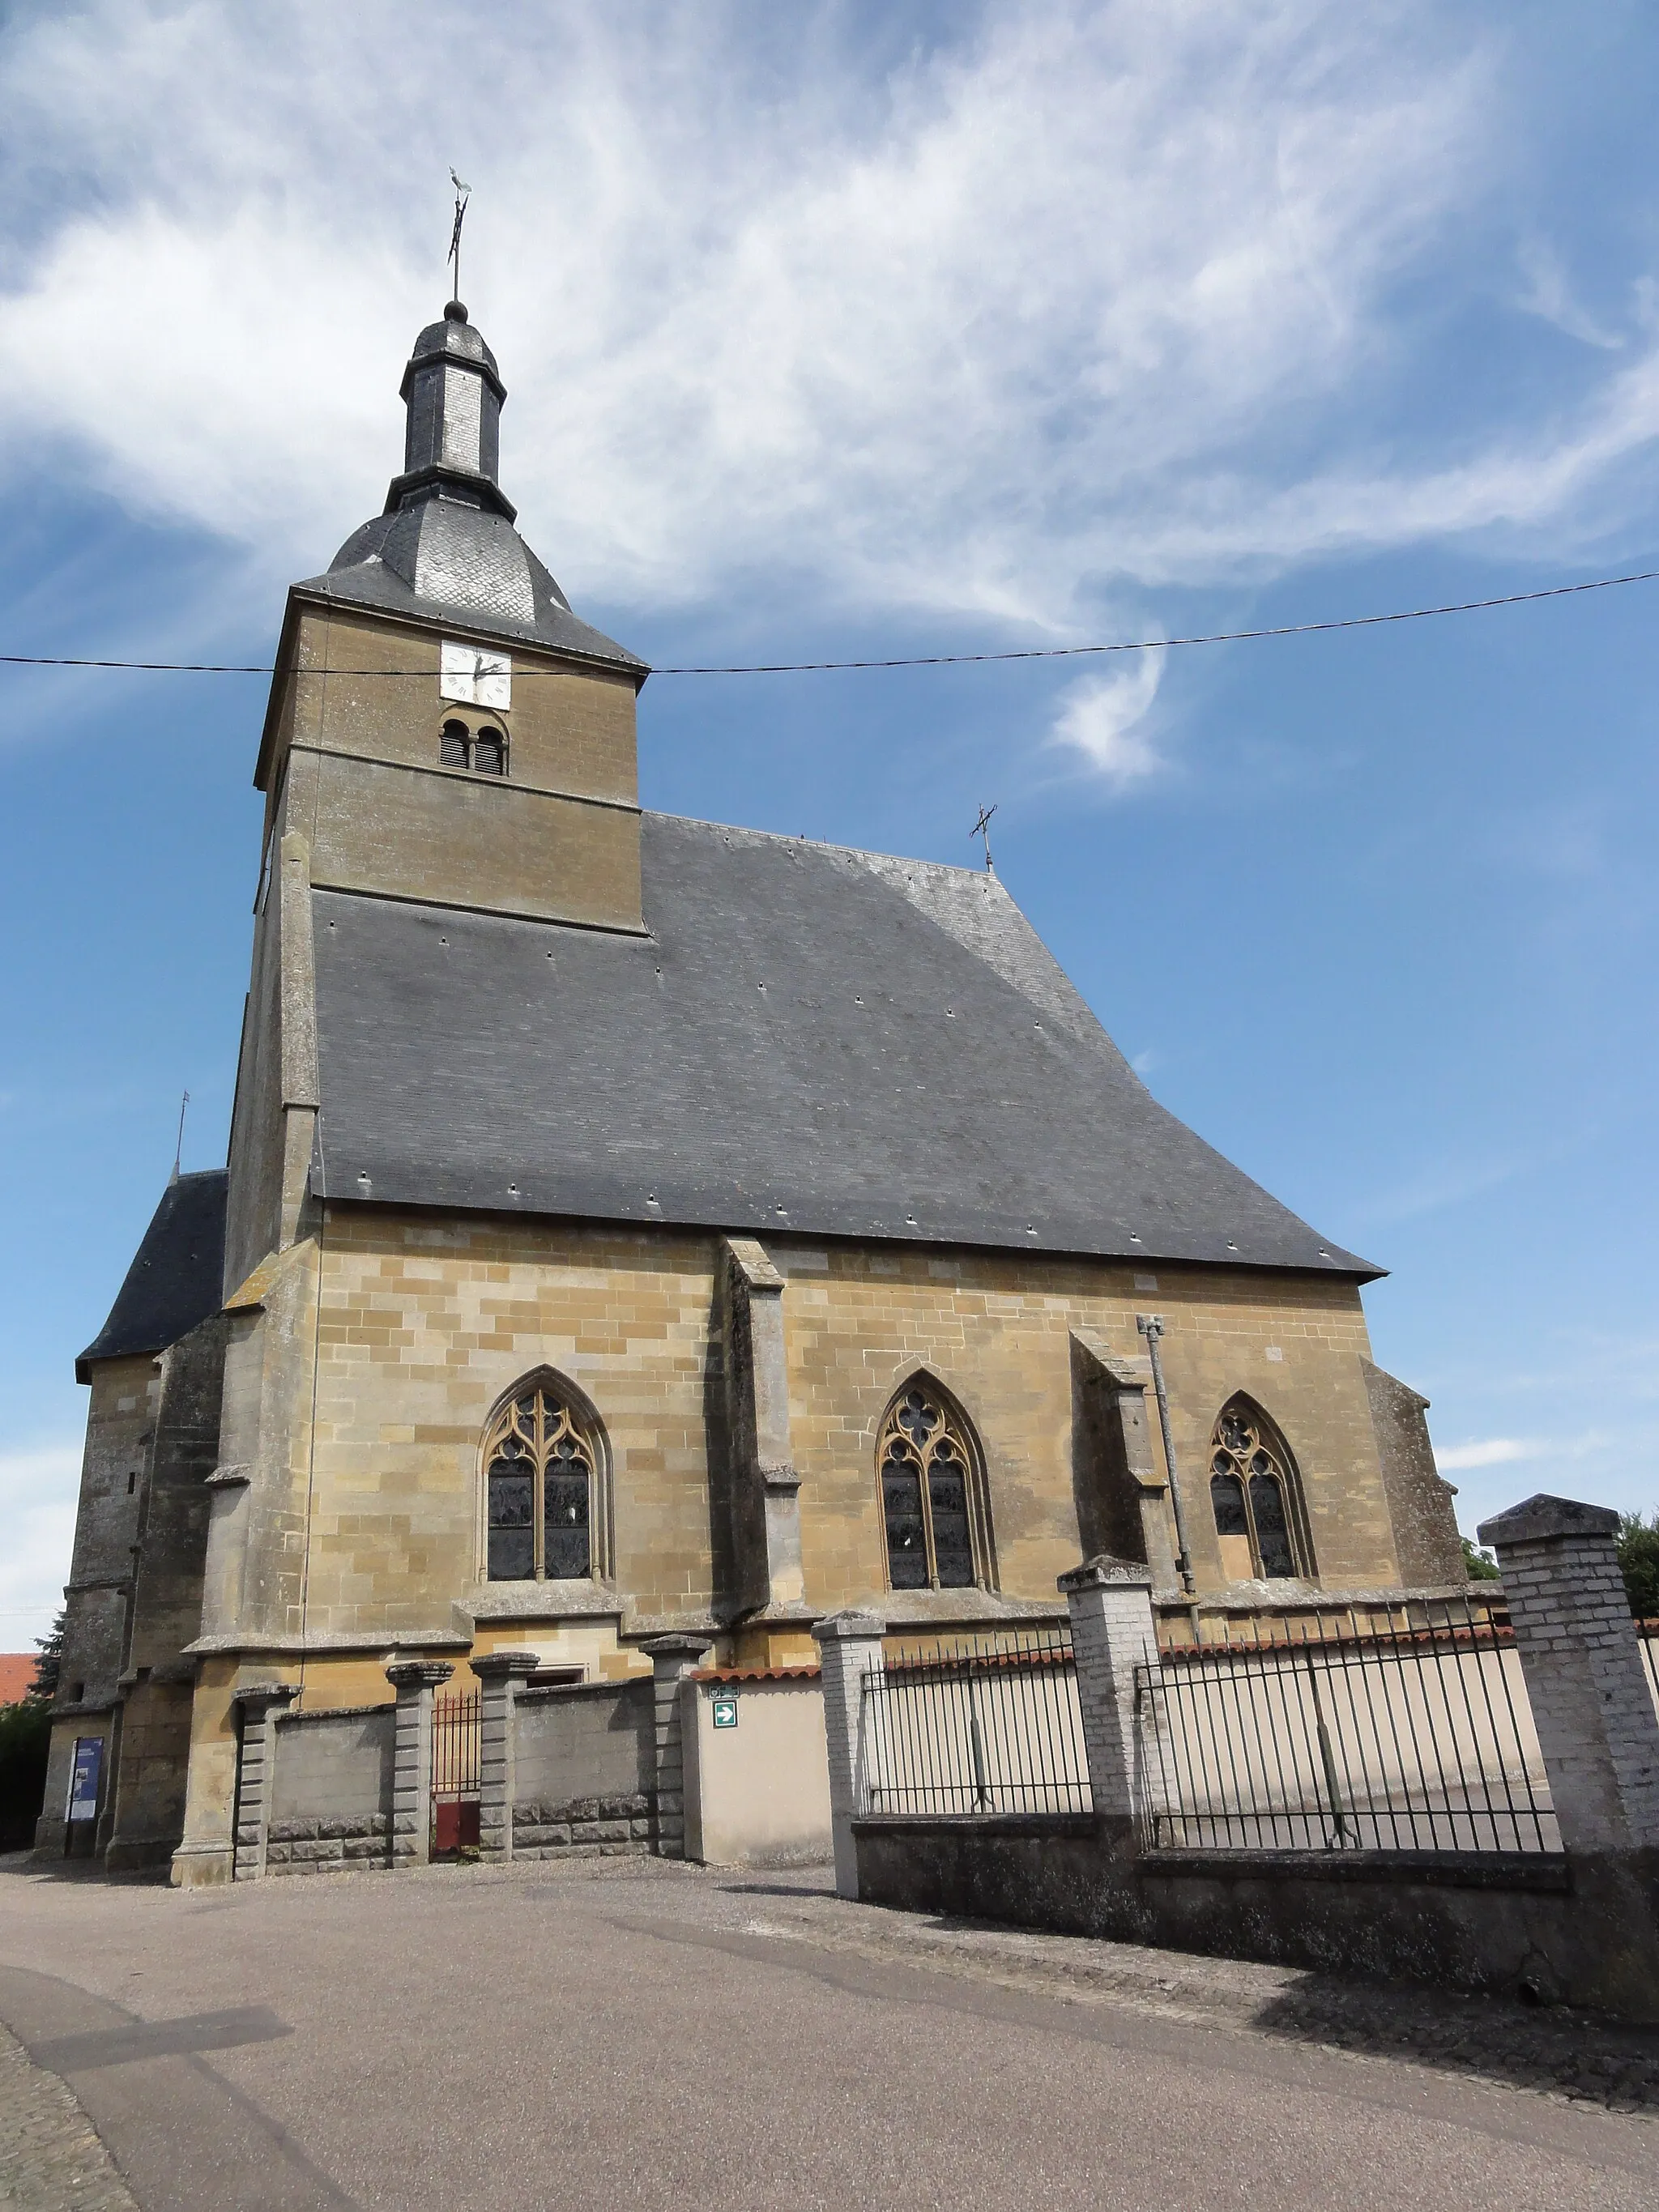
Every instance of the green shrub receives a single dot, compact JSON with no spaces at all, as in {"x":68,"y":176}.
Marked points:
{"x":25,"y":1730}
{"x":1638,"y":1555}
{"x":1479,"y":1566}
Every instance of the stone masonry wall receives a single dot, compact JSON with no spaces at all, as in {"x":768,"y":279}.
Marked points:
{"x":331,"y":1803}
{"x":426,"y":1323}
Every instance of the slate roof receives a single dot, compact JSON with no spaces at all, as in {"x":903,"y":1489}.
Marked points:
{"x":447,"y":560}
{"x":174,"y":1281}
{"x":809,"y":1040}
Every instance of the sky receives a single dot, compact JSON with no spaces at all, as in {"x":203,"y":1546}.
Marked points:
{"x":847,"y":330}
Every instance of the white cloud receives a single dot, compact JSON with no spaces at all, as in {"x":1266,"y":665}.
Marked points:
{"x":1549,"y":295}
{"x":1103,"y":718}
{"x":978,"y":326}
{"x":1493,"y":1451}
{"x":39,"y":1488}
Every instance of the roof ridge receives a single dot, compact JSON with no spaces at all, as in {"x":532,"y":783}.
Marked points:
{"x":824,"y":845}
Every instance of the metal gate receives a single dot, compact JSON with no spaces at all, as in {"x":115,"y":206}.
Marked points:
{"x":455,"y":1768}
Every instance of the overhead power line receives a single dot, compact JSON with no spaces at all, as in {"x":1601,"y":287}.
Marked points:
{"x":901,"y":660}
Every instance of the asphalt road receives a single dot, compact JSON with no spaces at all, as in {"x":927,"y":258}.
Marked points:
{"x":631,"y":2034}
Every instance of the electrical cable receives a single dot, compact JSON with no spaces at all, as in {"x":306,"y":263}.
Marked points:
{"x":905,"y":660}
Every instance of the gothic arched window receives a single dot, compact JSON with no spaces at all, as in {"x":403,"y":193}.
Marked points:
{"x":543,"y":1470}
{"x":1256,"y":1498}
{"x":932,"y":1495}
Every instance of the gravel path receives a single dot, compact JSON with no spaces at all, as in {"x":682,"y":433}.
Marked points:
{"x":50,"y":2157}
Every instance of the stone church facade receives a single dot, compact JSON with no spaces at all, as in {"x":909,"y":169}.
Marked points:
{"x":636,"y":1225}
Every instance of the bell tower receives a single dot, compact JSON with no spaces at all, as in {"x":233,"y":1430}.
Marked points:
{"x":442,"y":728}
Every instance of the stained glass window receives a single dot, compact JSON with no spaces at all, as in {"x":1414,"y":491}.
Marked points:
{"x":1252,"y":1497}
{"x":927,"y":1484}
{"x":539,"y":1475}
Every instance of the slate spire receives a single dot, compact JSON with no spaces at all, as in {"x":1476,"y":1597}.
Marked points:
{"x":452,"y":445}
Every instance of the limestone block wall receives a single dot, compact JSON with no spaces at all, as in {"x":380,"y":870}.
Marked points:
{"x":585,"y":1770}
{"x":331,"y":1793}
{"x":996,"y":1330}
{"x":125,"y":1394}
{"x":427,"y":1323}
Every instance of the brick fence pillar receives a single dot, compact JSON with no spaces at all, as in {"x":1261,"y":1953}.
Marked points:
{"x":673,"y":1658}
{"x":414,"y":1681}
{"x":849,"y":1646}
{"x":1583,"y":1671}
{"x":256,"y":1775}
{"x":1110,"y":1602}
{"x":499,"y":1673}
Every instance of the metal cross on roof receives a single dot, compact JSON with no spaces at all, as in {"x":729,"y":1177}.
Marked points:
{"x":982,"y":829}
{"x":463,"y":196}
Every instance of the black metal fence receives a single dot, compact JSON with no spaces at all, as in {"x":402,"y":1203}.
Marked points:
{"x":1416,"y":1736}
{"x":990,"y":1724}
{"x":457,"y":1761}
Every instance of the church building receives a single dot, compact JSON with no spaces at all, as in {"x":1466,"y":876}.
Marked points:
{"x":635,"y":1224}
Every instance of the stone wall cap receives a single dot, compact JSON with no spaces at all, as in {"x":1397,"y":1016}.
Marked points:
{"x":677,"y":1644}
{"x":498,"y":1665}
{"x":1537,"y":1519}
{"x":1103,"y":1572}
{"x":418,"y":1674}
{"x":843,"y":1627}
{"x":266,"y":1693}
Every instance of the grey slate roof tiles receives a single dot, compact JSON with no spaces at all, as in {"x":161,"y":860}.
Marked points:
{"x":808,"y":1040}
{"x":174,"y":1281}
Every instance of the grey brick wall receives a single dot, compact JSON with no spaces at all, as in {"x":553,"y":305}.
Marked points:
{"x":585,"y":1741}
{"x":334,"y":1768}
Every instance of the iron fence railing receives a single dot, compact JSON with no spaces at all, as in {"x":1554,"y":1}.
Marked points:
{"x":1411,"y":1736}
{"x":457,"y":1762}
{"x":987,"y":1725}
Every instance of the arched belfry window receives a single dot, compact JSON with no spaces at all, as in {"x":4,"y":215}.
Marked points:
{"x":932,"y":1493}
{"x":1256,"y":1498}
{"x":545,"y":1486}
{"x":482,"y":749}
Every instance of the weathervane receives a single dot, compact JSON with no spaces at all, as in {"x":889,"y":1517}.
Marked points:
{"x":463,"y":194}
{"x":982,"y":829}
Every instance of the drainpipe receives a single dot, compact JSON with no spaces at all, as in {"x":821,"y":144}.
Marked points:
{"x":1151,"y":1327}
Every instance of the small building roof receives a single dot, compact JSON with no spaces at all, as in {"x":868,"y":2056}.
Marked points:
{"x":174,"y":1281}
{"x":808,"y":1040}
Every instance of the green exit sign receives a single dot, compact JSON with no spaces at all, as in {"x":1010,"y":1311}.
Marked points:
{"x":726,"y":1711}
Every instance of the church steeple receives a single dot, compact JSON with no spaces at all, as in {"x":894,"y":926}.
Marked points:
{"x":443,"y":548}
{"x":453,"y":392}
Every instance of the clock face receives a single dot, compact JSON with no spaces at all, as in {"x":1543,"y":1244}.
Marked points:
{"x":474,"y":677}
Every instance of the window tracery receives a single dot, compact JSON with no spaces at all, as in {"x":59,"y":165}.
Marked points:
{"x":542,"y":1470}
{"x":1254,"y":1498}
{"x":928,"y":1482}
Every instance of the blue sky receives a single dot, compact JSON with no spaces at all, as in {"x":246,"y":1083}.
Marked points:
{"x":841,"y":330}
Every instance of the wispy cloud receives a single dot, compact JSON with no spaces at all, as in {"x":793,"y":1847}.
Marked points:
{"x":39,"y":1486}
{"x":1103,"y":719}
{"x":1493,"y":1451}
{"x":981,"y":322}
{"x":1547,"y":293}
